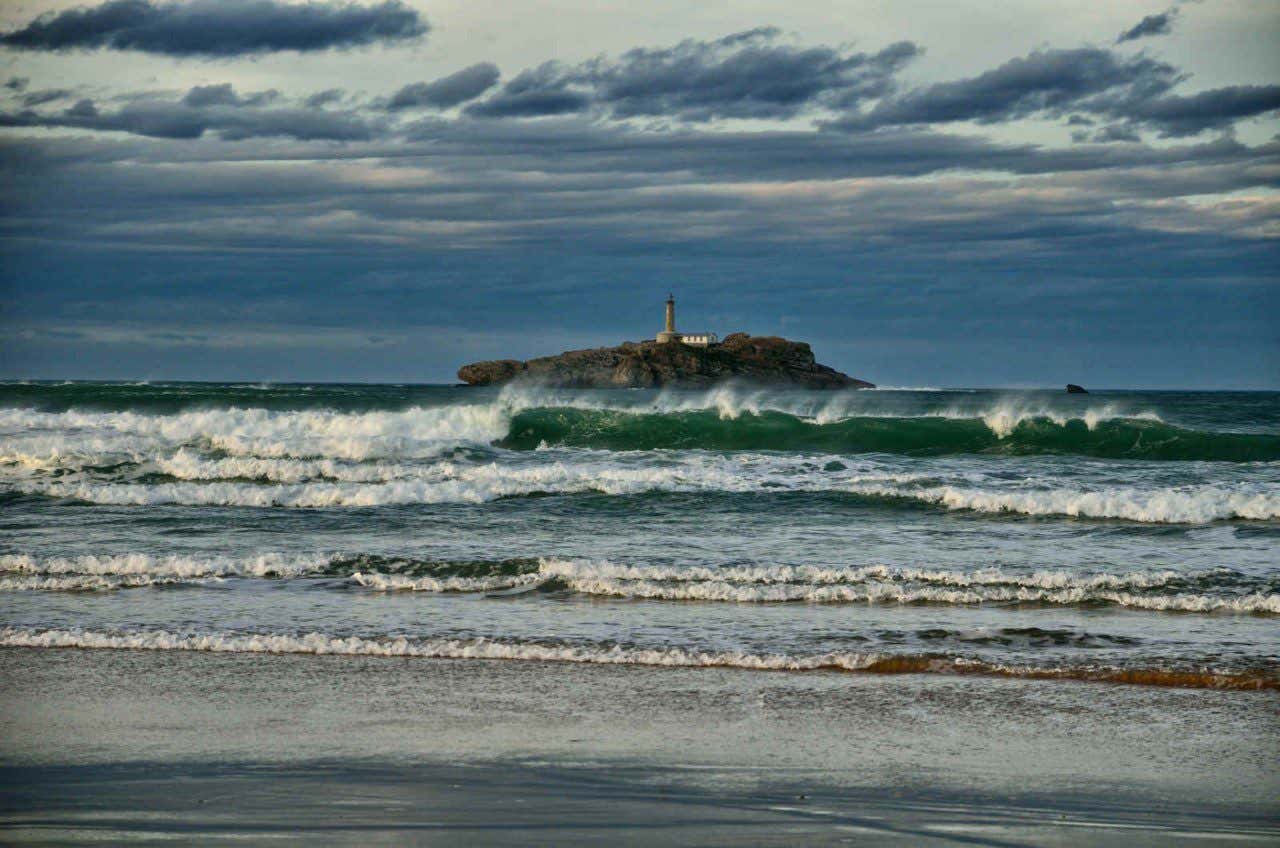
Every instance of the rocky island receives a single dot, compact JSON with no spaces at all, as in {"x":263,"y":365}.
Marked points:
{"x":672,"y":360}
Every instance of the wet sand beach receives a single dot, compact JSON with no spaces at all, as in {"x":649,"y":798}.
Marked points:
{"x":124,"y":746}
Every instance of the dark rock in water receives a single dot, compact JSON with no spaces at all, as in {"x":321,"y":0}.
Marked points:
{"x":835,"y":465}
{"x":494,"y":371}
{"x":1073,"y":389}
{"x":767,"y":360}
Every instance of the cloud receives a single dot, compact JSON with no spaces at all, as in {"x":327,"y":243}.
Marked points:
{"x":1218,"y":108}
{"x":219,"y":28}
{"x":223,"y":94}
{"x":48,"y":95}
{"x":210,"y":108}
{"x":1161,"y":24}
{"x":324,"y":98}
{"x":1044,"y":81}
{"x":538,"y":92}
{"x":1113,"y":132}
{"x":83,"y":109}
{"x":745,"y":75}
{"x":466,"y":84}
{"x":1086,"y":85}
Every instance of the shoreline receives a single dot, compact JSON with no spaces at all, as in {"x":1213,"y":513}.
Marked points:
{"x":209,"y":746}
{"x":877,"y":664}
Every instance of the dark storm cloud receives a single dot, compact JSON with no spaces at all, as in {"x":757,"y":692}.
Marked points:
{"x":48,"y":95}
{"x":211,"y":108}
{"x":1114,"y":132}
{"x":466,"y":84}
{"x":1045,"y":81}
{"x":17,"y":83}
{"x":1129,"y":93}
{"x":1161,"y":24}
{"x":592,"y":184}
{"x":219,"y":28}
{"x":745,"y":75}
{"x":538,"y":92}
{"x":223,"y":94}
{"x":324,"y":98}
{"x":742,"y":76}
{"x":83,"y":109}
{"x":1175,"y":115}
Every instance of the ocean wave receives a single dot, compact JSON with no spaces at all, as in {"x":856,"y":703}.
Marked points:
{"x":1166,"y":505}
{"x":418,"y":432}
{"x":95,"y":583}
{"x":614,"y":654}
{"x":19,"y":572}
{"x":170,"y":567}
{"x":840,"y":575}
{"x":401,"y":583}
{"x":1215,"y":591}
{"x":449,"y":483}
{"x":878,"y":584}
{"x":896,"y":593}
{"x":189,"y":465}
{"x":1005,"y":432}
{"x":723,"y":418}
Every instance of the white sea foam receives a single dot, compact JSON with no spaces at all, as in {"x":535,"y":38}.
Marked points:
{"x":417,"y":432}
{"x":838,"y":575}
{"x":896,"y":593}
{"x":1169,"y":505}
{"x":401,"y":646}
{"x":447,"y":482}
{"x":589,"y":654}
{"x":401,"y":583}
{"x":174,"y":566}
{"x":831,"y":585}
{"x":189,"y":465}
{"x":35,"y":438}
{"x":93,"y":582}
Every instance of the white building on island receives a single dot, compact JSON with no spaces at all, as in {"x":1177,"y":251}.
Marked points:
{"x":670,"y":335}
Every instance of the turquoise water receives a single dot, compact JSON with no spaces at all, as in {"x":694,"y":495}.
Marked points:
{"x":1130,"y":536}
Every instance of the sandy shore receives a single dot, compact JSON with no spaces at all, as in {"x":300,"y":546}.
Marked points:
{"x":122,"y":745}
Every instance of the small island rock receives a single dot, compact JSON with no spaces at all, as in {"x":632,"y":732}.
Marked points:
{"x":766,"y":360}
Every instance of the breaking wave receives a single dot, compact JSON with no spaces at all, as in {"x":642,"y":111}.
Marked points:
{"x":171,"y":567}
{"x":1222,"y":591}
{"x":1008,"y":433}
{"x":726,"y":418}
{"x":615,"y":654}
{"x":94,"y":583}
{"x":449,"y":483}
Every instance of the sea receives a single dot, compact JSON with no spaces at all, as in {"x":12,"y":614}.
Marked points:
{"x":1131,"y":537}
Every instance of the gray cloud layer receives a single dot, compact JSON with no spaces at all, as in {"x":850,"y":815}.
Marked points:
{"x":1161,"y":24}
{"x":466,"y":84}
{"x":1132,"y":92}
{"x":745,"y":75}
{"x":1051,"y":81}
{"x":219,"y":28}
{"x":209,"y":108}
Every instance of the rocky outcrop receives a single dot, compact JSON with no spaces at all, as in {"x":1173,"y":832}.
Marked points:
{"x":766,"y":360}
{"x":1073,"y":389}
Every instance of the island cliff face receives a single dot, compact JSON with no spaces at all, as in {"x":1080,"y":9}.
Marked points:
{"x":767,"y":360}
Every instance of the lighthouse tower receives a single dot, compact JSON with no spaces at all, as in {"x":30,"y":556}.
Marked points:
{"x":669,"y":334}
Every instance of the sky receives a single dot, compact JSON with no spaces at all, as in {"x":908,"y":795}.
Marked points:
{"x":932,"y":193}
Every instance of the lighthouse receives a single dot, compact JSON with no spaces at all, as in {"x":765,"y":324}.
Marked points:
{"x":669,"y":334}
